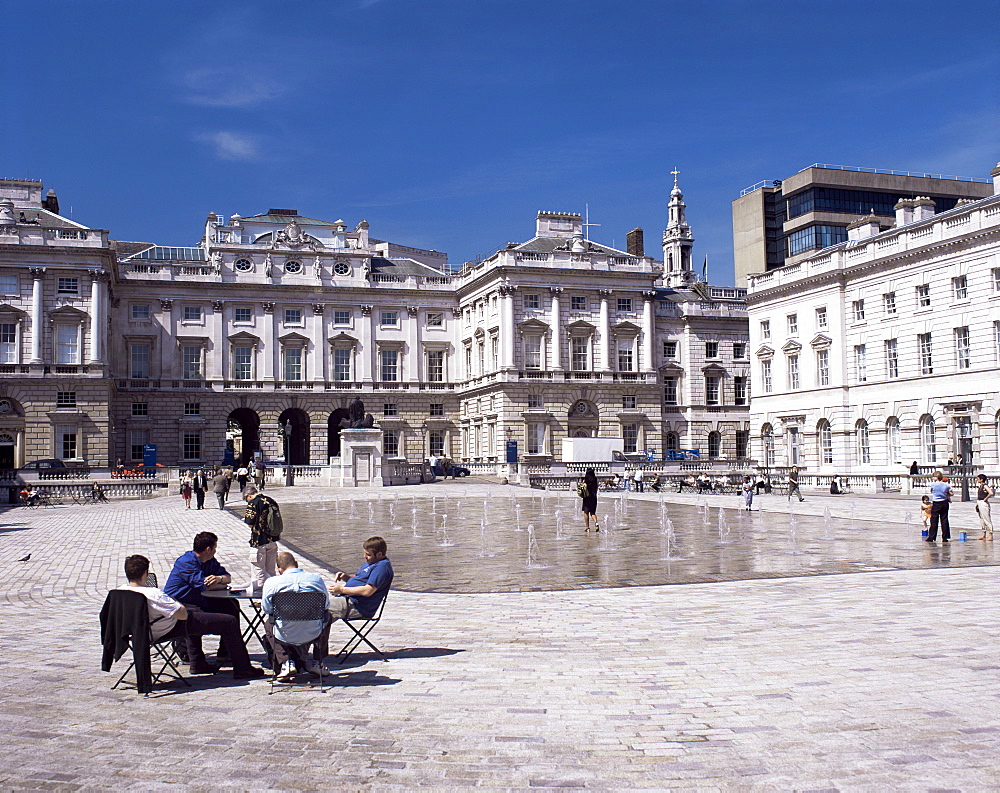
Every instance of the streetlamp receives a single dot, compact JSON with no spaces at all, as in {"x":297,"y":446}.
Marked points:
{"x":423,"y":446}
{"x":285,"y":430}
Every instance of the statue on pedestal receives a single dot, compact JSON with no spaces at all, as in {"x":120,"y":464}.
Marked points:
{"x":357,"y":419}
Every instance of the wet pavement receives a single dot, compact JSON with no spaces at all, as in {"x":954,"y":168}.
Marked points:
{"x":495,"y":539}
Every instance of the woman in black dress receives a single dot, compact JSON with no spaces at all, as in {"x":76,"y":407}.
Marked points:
{"x":590,"y":500}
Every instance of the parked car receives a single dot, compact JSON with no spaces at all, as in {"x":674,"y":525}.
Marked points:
{"x":45,"y":465}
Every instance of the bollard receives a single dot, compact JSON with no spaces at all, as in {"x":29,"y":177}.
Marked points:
{"x":963,"y":535}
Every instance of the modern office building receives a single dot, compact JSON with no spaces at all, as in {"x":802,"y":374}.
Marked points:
{"x":279,"y":318}
{"x":781,"y":222}
{"x":883,"y":349}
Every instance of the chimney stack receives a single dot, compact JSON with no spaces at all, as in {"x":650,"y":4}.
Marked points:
{"x":923,"y":207}
{"x":904,"y":211}
{"x":863,"y":228}
{"x":995,"y":173}
{"x":634,"y":242}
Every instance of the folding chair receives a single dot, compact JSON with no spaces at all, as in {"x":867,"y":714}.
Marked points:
{"x":126,"y":613}
{"x":298,"y":607}
{"x":361,"y":634}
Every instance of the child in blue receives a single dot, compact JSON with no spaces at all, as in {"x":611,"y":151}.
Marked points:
{"x":362,"y":593}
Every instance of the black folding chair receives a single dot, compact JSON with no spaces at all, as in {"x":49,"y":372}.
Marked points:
{"x":361,"y":634}
{"x":159,"y":649}
{"x":298,"y":607}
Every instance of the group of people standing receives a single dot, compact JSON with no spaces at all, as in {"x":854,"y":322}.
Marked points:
{"x":219,"y":480}
{"x":934,"y":508}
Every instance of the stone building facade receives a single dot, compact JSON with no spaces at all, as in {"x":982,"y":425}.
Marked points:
{"x":884,"y":349}
{"x":280,"y":318}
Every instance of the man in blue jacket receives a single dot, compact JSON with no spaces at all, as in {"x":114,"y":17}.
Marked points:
{"x":195,"y":571}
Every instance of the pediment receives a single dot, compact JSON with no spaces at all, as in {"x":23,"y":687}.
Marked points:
{"x":293,"y":338}
{"x":7,"y":309}
{"x":626,"y":328}
{"x":342,"y":339}
{"x":67,"y":312}
{"x":765,"y":351}
{"x":671,"y":367}
{"x":244,"y":337}
{"x":791,"y":347}
{"x":581,"y":326}
{"x":533,"y":326}
{"x":714,"y":368}
{"x":821,"y":342}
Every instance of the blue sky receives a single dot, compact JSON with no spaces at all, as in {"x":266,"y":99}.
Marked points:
{"x":449,"y":124}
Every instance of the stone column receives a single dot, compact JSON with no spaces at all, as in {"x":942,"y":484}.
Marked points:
{"x":366,"y":356}
{"x":604,"y":350}
{"x":319,"y":359}
{"x":220,"y":344}
{"x":647,"y":331}
{"x":414,"y":359}
{"x":556,"y":325}
{"x":96,"y":315}
{"x":167,"y":350}
{"x":270,"y":351}
{"x":37,"y":275}
{"x":507,"y":326}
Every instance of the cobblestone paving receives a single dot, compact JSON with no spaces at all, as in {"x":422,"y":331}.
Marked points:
{"x":880,"y":680}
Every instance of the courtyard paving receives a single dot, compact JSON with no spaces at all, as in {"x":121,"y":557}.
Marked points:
{"x":885,"y":679}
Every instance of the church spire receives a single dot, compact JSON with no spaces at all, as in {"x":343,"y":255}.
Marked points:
{"x":677,"y":240}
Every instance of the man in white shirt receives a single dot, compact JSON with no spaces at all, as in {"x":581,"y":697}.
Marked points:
{"x":289,"y":640}
{"x":168,"y":619}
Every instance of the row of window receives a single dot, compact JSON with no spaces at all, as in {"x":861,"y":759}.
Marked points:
{"x":533,"y":301}
{"x":65,"y":285}
{"x":243,"y":315}
{"x":962,"y":341}
{"x":862,"y":434}
{"x":714,"y":392}
{"x":890,"y":305}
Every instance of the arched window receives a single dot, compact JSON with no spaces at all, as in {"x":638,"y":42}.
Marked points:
{"x":928,"y":441}
{"x":714,"y":444}
{"x":767,"y":443}
{"x":864,"y":443}
{"x":895,"y":440}
{"x":671,"y":441}
{"x":825,"y":433}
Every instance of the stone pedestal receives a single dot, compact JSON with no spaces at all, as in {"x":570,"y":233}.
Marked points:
{"x":360,"y":458}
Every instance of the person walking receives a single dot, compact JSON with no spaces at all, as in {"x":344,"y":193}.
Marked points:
{"x":587,"y":490}
{"x":748,"y":489}
{"x":637,"y":479}
{"x":220,"y":486}
{"x":793,"y":483}
{"x":186,"y":489}
{"x":241,"y":477}
{"x":200,"y":485}
{"x":940,"y":501}
{"x":983,"y":507}
{"x":258,"y":474}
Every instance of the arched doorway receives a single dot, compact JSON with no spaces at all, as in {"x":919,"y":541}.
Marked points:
{"x":6,"y":450}
{"x":243,"y":434}
{"x":333,"y":432}
{"x":298,"y":443}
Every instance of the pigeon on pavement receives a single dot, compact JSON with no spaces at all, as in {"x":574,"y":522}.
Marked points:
{"x":24,"y":558}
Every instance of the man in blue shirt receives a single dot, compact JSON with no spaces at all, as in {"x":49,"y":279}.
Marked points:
{"x":940,"y":501}
{"x":362,"y":593}
{"x":193,"y":573}
{"x":289,"y":640}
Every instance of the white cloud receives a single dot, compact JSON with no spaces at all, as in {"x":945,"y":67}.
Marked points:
{"x":227,"y":86}
{"x":231,"y":145}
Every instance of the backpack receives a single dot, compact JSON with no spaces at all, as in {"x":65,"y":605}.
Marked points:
{"x":274,"y":522}
{"x":581,"y":489}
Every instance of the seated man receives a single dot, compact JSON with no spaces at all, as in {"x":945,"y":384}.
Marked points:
{"x":704,"y":483}
{"x":193,"y":573}
{"x":97,"y":492}
{"x":290,"y":641}
{"x":656,"y":484}
{"x":362,"y":593}
{"x":689,"y":482}
{"x":167,"y":619}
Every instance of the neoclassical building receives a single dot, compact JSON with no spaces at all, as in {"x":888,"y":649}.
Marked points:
{"x":884,"y":349}
{"x":279,"y":318}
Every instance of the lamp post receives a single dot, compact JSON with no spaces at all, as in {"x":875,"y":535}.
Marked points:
{"x":285,"y":430}
{"x":423,"y":446}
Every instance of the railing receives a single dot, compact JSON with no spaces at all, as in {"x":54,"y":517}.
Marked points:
{"x":388,"y":278}
{"x":855,"y":169}
{"x":758,"y":186}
